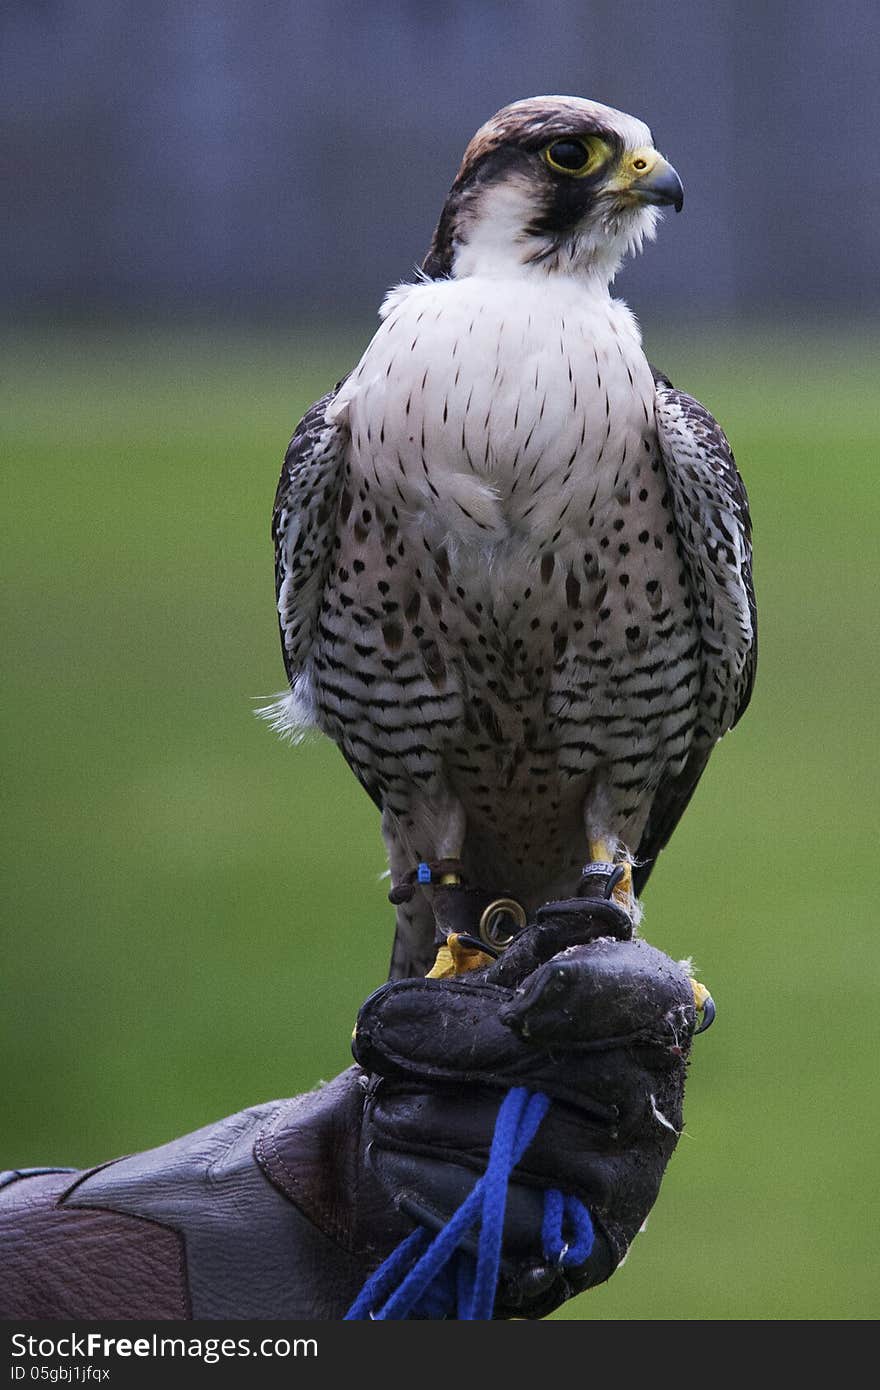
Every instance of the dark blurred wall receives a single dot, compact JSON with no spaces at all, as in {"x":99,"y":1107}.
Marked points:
{"x":285,"y":158}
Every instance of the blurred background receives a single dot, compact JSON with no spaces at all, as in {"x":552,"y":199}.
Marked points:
{"x":205,"y":203}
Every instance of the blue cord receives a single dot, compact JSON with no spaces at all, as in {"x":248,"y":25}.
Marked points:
{"x":429,"y":1278}
{"x":578,"y":1247}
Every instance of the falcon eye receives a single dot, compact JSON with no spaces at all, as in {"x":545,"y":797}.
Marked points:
{"x":570,"y":157}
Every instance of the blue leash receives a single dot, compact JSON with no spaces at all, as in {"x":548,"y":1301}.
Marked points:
{"x":429,"y":1277}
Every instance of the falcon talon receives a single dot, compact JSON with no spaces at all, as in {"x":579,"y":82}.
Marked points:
{"x":705,"y":1005}
{"x":473,"y":944}
{"x":614,"y":879}
{"x":459,"y":954}
{"x":708,"y":1012}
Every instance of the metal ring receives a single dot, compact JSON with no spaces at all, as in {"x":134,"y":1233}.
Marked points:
{"x":491,"y":928}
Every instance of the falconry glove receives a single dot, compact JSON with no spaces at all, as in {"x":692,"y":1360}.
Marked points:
{"x":576,"y":1009}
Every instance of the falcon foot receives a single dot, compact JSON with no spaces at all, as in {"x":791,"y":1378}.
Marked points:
{"x":608,"y":877}
{"x":556,"y":926}
{"x":472,"y":927}
{"x":459,"y":954}
{"x":599,"y":879}
{"x":704,"y":1004}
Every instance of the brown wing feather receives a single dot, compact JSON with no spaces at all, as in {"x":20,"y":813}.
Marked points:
{"x":712,"y":517}
{"x":304,"y":521}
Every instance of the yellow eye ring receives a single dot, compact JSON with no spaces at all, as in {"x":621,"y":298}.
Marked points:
{"x":573,"y":157}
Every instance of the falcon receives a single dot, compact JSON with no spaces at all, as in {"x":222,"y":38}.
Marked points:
{"x":513,"y":561}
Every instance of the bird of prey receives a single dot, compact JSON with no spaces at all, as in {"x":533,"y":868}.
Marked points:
{"x":513,"y":561}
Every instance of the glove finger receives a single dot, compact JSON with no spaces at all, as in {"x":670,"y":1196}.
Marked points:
{"x":558,"y":926}
{"x":607,"y":989}
{"x":598,"y":997}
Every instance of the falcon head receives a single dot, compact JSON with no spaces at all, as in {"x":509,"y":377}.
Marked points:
{"x":556,"y":182}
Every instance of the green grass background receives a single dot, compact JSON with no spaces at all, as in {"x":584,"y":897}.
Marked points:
{"x":194,"y":910}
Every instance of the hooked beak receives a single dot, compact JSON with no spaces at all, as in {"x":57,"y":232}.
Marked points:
{"x":659,"y":184}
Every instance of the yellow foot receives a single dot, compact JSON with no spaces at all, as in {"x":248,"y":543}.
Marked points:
{"x":704,"y":1004}
{"x":623,"y":891}
{"x":455,"y":959}
{"x":602,"y":853}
